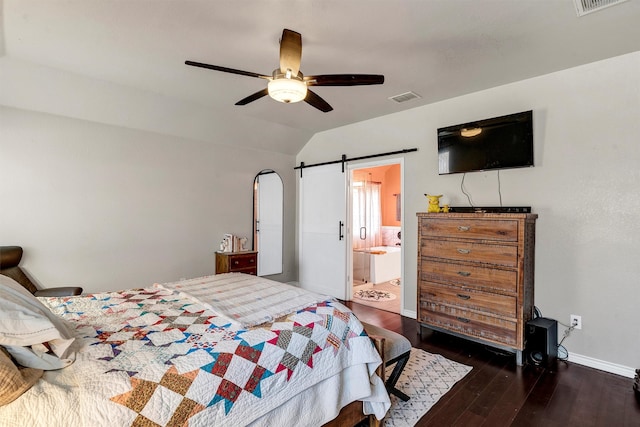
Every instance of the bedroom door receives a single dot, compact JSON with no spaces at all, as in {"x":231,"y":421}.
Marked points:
{"x":322,"y":255}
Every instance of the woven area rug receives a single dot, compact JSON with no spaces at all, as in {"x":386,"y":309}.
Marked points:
{"x":426,"y":378}
{"x":374,"y":295}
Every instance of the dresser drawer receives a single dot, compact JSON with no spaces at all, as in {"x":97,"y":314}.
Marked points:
{"x":469,"y":251}
{"x":476,"y":325}
{"x":469,"y":228}
{"x":486,"y":278}
{"x":501,"y":305}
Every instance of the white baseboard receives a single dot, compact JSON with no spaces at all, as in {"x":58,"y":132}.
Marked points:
{"x":410,"y":313}
{"x":602,"y":365}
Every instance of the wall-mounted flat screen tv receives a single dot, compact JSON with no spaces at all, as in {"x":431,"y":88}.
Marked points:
{"x":496,"y":143}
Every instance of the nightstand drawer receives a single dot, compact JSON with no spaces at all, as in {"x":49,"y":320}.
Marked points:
{"x":240,"y":262}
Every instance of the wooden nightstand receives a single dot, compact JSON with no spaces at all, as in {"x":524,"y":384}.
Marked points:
{"x":237,"y":262}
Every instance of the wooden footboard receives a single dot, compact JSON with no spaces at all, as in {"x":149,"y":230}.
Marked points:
{"x":352,"y":414}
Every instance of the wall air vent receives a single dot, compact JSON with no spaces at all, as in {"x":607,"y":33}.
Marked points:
{"x":584,"y":7}
{"x":404,"y":97}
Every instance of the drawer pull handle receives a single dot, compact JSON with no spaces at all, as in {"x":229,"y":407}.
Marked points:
{"x":463,"y":296}
{"x":252,"y":260}
{"x":462,"y":319}
{"x":464,"y":251}
{"x":236,"y":262}
{"x":464,"y":273}
{"x":464,"y":228}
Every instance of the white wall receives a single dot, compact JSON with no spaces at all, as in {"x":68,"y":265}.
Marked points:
{"x":33,"y":87}
{"x":585,"y":188}
{"x":110,"y":208}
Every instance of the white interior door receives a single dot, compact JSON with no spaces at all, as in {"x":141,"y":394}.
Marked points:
{"x":269,"y":227}
{"x":322,"y":230}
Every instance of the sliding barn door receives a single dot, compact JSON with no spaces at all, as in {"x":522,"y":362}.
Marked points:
{"x":322,"y":230}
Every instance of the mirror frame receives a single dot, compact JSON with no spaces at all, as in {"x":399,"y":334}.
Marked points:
{"x":255,"y":240}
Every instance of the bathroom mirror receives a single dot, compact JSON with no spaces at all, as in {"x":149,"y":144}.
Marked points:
{"x":268,"y":221}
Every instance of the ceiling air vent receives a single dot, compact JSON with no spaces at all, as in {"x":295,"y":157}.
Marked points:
{"x":584,"y":7}
{"x":404,"y":97}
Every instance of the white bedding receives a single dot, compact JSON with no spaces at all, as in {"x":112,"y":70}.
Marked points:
{"x":248,"y":300}
{"x":156,"y":356}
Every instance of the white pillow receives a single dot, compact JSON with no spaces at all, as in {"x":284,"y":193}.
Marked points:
{"x":39,"y":356}
{"x":26,"y":322}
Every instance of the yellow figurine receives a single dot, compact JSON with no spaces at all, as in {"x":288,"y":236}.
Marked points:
{"x":434,"y":203}
{"x":445,"y":209}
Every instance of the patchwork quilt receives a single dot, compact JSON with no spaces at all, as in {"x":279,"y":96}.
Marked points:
{"x":158,"y":357}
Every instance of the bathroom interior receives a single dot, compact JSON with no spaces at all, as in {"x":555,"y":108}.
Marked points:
{"x":376,"y":236}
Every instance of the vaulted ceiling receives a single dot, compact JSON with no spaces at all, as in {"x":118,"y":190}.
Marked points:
{"x":122,"y":62}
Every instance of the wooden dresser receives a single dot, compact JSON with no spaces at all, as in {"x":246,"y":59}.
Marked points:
{"x":476,"y":274}
{"x":237,"y":262}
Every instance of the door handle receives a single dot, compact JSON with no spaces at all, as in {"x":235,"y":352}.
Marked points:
{"x":365,"y":233}
{"x":340,"y":235}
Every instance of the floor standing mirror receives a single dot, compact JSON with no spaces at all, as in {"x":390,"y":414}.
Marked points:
{"x":268,"y":221}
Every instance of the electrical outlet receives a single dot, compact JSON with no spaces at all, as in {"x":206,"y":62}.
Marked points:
{"x":577,"y":321}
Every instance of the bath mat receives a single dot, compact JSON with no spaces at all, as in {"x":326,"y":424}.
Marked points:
{"x":374,"y":295}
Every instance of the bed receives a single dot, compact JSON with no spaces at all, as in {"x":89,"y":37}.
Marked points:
{"x":229,"y":349}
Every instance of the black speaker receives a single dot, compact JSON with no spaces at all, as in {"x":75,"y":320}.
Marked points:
{"x":541,"y":336}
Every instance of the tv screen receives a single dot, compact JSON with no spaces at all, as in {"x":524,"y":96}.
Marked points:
{"x":496,"y":143}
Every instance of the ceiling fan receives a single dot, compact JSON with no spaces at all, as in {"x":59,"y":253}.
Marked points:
{"x":287,"y":84}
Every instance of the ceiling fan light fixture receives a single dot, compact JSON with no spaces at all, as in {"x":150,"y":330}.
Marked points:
{"x":470,"y":132}
{"x":287,"y":90}
{"x":287,"y":84}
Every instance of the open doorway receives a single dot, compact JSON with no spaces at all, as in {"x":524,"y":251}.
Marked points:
{"x":375,"y":211}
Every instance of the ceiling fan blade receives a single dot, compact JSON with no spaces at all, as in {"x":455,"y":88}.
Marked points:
{"x":344,"y":80}
{"x":290,"y":52}
{"x":227,"y":70}
{"x":314,"y":100}
{"x":253,"y":97}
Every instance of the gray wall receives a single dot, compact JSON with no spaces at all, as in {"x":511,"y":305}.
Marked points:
{"x":108,"y":208}
{"x":585,"y":188}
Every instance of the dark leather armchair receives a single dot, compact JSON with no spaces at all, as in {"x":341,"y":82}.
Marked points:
{"x":10,"y":257}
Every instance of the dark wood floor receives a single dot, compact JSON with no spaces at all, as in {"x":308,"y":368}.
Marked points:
{"x":499,"y":393}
